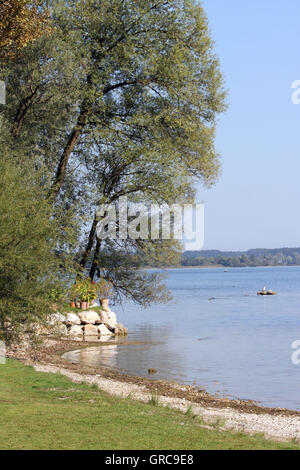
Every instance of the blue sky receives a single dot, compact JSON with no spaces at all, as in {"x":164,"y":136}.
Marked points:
{"x":256,"y":201}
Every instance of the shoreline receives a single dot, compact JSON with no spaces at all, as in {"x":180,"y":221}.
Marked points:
{"x":219,"y":266}
{"x":240,"y":415}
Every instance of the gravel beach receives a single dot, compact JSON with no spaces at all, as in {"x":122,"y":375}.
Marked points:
{"x":275,"y":423}
{"x":278,"y":427}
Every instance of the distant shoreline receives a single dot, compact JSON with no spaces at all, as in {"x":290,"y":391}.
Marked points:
{"x":210,"y":266}
{"x":185,"y":267}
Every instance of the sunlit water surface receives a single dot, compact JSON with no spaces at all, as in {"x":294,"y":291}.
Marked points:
{"x":237,"y":344}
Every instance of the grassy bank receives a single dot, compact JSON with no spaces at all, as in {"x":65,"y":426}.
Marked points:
{"x":48,"y":411}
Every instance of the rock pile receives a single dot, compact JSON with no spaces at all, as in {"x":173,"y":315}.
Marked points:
{"x":89,"y":323}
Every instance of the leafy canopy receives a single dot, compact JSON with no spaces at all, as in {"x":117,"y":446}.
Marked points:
{"x":121,"y":100}
{"x":21,"y":21}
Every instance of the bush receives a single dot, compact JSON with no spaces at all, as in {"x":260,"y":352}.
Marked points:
{"x":31,"y":262}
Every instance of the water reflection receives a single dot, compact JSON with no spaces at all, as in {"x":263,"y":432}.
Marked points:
{"x":136,"y":359}
{"x":94,"y":356}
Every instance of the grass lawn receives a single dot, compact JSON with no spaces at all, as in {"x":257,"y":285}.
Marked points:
{"x":48,"y":411}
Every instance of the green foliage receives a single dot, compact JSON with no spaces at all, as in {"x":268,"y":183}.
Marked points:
{"x":123,"y":266}
{"x":254,"y":257}
{"x":190,"y":413}
{"x":73,"y":292}
{"x":154,"y":400}
{"x":84,"y":290}
{"x":66,"y":308}
{"x":32,"y":267}
{"x":121,"y":100}
{"x":56,"y":293}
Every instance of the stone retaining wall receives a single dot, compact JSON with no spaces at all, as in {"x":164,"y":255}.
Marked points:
{"x":88,"y":323}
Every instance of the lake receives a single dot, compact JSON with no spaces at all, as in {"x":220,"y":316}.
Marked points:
{"x":237,"y":344}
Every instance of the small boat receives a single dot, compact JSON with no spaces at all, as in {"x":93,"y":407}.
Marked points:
{"x":271,"y":292}
{"x":264,"y":291}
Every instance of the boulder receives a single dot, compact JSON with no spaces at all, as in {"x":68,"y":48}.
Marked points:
{"x":56,"y":318}
{"x":104,"y":317}
{"x":103,"y":330}
{"x":108,"y":316}
{"x":90,"y":330}
{"x":75,"y":330}
{"x":112,"y":317}
{"x":72,"y":319}
{"x":110,"y":325}
{"x":89,"y":316}
{"x":120,"y":330}
{"x":36,"y":328}
{"x":42,"y":330}
{"x":60,"y":329}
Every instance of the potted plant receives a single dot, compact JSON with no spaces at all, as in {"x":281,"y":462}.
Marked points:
{"x":83,"y":295}
{"x":104,"y":289}
{"x":87,"y":292}
{"x":73,"y":295}
{"x":92,"y":295}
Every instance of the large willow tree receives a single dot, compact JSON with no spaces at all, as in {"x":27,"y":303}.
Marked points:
{"x":121,"y":100}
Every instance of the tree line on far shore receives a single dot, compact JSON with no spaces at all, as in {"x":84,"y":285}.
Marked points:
{"x":240,"y":259}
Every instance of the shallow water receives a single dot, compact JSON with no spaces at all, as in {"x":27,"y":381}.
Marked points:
{"x":237,"y":344}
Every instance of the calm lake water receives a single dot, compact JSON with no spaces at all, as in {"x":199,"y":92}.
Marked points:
{"x":238,"y":344}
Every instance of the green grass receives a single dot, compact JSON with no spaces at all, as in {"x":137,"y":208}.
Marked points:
{"x":66,"y":308}
{"x":48,"y":411}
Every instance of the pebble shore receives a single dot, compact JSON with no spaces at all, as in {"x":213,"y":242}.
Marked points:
{"x":278,"y":427}
{"x":235,"y":415}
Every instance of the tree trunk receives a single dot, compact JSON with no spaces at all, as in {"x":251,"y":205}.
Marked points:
{"x":94,"y":266}
{"x":90,"y":243}
{"x":72,"y":141}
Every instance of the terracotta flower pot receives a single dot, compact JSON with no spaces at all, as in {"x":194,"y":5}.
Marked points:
{"x":77,"y":304}
{"x":104,"y":303}
{"x":72,"y":304}
{"x":83,"y":305}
